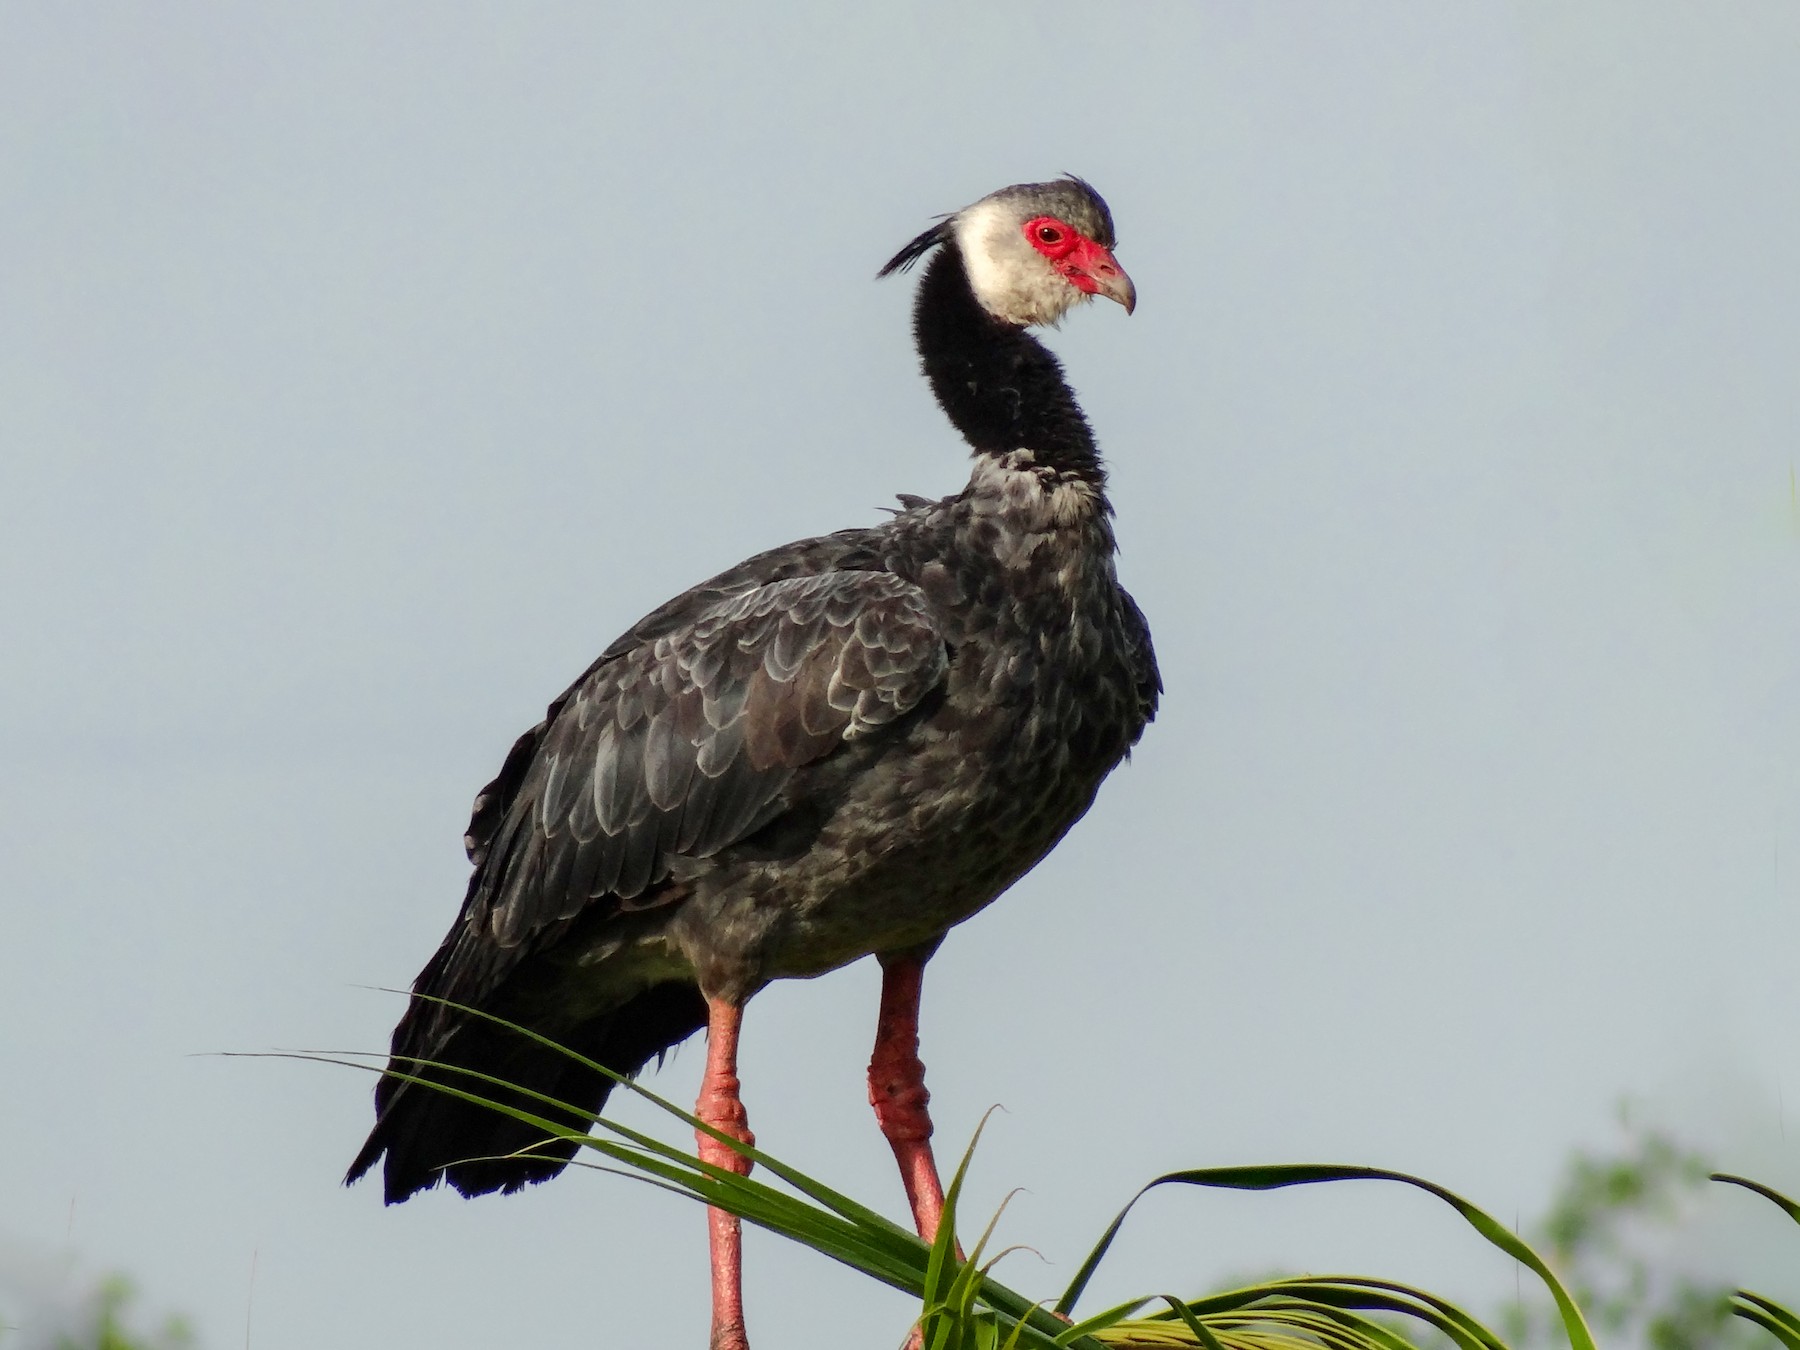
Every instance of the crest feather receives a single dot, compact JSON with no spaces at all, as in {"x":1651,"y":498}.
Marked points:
{"x":917,"y":249}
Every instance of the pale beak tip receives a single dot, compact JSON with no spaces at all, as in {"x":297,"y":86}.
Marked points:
{"x":1115,"y":284}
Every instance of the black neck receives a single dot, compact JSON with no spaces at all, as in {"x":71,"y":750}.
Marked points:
{"x":1000,"y":387}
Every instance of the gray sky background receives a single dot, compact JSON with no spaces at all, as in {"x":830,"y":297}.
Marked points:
{"x":364,"y":369}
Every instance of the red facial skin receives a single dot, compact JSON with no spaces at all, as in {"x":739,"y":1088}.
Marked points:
{"x":1085,"y":265}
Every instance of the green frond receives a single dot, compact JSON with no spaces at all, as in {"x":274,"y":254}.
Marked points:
{"x":962,"y":1306}
{"x":1779,"y":1320}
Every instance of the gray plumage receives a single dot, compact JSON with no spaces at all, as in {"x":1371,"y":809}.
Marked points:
{"x":840,"y":747}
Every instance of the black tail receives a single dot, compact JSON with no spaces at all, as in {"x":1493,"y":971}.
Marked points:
{"x":430,"y":1136}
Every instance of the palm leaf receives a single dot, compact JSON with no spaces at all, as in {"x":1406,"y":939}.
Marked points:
{"x":1780,"y":1321}
{"x":964,"y":1308}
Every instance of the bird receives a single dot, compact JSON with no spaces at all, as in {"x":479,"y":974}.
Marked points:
{"x":840,"y":748}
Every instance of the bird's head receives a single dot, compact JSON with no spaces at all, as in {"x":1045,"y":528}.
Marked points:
{"x":1031,"y":251}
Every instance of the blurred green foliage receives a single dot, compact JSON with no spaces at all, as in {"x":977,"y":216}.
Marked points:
{"x":104,"y":1324}
{"x":1601,"y":1233}
{"x":111,"y":1333}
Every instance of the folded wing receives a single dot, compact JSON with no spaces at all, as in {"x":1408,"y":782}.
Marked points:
{"x":670,"y":749}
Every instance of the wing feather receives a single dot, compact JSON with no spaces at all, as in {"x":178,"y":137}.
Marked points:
{"x":679,"y":745}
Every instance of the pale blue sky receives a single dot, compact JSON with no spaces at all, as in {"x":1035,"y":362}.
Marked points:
{"x":364,"y":369}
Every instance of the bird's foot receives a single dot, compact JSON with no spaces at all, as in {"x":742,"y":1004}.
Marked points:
{"x":729,"y":1337}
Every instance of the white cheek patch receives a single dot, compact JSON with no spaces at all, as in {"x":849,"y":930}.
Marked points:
{"x":1011,"y":279}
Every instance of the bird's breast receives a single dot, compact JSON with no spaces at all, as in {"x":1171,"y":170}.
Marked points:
{"x":1041,"y":701}
{"x":1042,"y":698}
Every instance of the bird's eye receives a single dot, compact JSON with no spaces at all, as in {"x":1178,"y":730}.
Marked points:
{"x":1051,"y":237}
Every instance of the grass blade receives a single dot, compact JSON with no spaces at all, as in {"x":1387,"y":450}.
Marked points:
{"x":1270,"y":1178}
{"x":1771,"y":1316}
{"x":1789,"y":1207}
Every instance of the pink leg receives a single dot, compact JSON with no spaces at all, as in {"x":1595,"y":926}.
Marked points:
{"x":897,"y":1091}
{"x":721,"y":1107}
